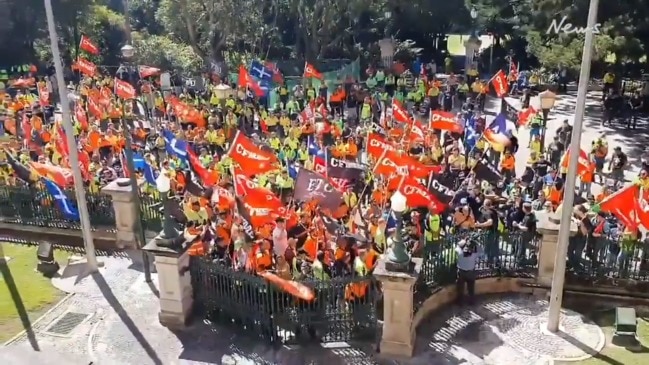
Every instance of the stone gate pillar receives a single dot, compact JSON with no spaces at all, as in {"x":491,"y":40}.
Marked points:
{"x":125,"y":212}
{"x":548,"y":226}
{"x":174,"y":285}
{"x":398,"y":337}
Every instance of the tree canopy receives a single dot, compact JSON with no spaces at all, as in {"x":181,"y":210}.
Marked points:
{"x":190,"y":34}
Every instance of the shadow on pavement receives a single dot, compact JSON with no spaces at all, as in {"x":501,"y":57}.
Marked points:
{"x":206,"y":343}
{"x":125,"y":318}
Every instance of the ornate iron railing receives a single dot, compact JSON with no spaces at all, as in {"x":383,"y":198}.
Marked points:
{"x":33,"y":206}
{"x":500,"y":255}
{"x":258,"y":308}
{"x":608,"y":262}
{"x":151,"y":215}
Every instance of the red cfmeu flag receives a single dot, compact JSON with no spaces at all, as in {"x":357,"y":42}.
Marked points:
{"x":583,"y":163}
{"x":399,"y":112}
{"x":61,"y":143}
{"x":623,"y":204}
{"x":43,"y":94}
{"x":85,"y":67}
{"x":526,"y":115}
{"x":513,"y":69}
{"x":444,"y":121}
{"x":277,"y":73}
{"x":81,"y":116}
{"x":499,"y":81}
{"x":206,"y":179}
{"x":416,"y":194}
{"x":420,"y":171}
{"x":263,"y":197}
{"x":310,"y":71}
{"x":87,"y":45}
{"x":147,"y":71}
{"x":246,"y":81}
{"x":416,"y":132}
{"x":94,"y":107}
{"x":376,"y":144}
{"x":392,"y":163}
{"x":252,"y":159}
{"x":642,"y":207}
{"x":124,"y":90}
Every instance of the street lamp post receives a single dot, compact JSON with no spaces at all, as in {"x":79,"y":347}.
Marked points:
{"x":127,"y":53}
{"x":398,"y":258}
{"x":559,"y":274}
{"x":79,"y":189}
{"x":471,"y":45}
{"x":546,"y":100}
{"x":387,"y":43}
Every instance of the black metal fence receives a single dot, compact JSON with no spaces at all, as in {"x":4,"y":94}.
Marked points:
{"x":33,"y":206}
{"x":253,"y":305}
{"x":500,"y":255}
{"x":608,"y":262}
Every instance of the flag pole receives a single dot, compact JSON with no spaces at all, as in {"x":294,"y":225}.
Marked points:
{"x":558,"y":277}
{"x":79,"y":190}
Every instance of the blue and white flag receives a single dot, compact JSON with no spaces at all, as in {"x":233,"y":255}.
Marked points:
{"x":150,"y":174}
{"x":138,"y":161}
{"x":69,"y":211}
{"x":314,"y":149}
{"x":174,"y":146}
{"x":260,"y":72}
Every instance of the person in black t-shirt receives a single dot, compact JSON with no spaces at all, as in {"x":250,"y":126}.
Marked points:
{"x":527,"y":227}
{"x":618,"y":165}
{"x":488,"y":221}
{"x":541,"y":166}
{"x":577,"y":243}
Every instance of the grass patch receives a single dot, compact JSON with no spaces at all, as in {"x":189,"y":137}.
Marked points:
{"x":36,"y":292}
{"x":616,"y":355}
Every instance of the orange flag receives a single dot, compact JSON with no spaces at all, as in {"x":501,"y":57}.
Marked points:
{"x":61,"y":176}
{"x":310,"y":71}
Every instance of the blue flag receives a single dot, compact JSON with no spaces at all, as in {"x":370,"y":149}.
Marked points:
{"x":174,"y":146}
{"x":293,"y":170}
{"x":260,"y":72}
{"x":391,"y":221}
{"x":149,"y":174}
{"x":314,"y":149}
{"x":499,"y":125}
{"x":138,"y":161}
{"x":470,"y":134}
{"x":64,"y":203}
{"x":522,"y":81}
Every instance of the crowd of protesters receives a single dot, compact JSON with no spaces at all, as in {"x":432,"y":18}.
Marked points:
{"x":459,"y":179}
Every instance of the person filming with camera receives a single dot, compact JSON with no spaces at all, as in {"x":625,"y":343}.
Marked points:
{"x":467,"y":258}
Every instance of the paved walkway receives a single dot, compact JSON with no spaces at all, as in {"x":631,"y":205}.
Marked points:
{"x":504,"y":330}
{"x":632,"y":142}
{"x":122,"y":328}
